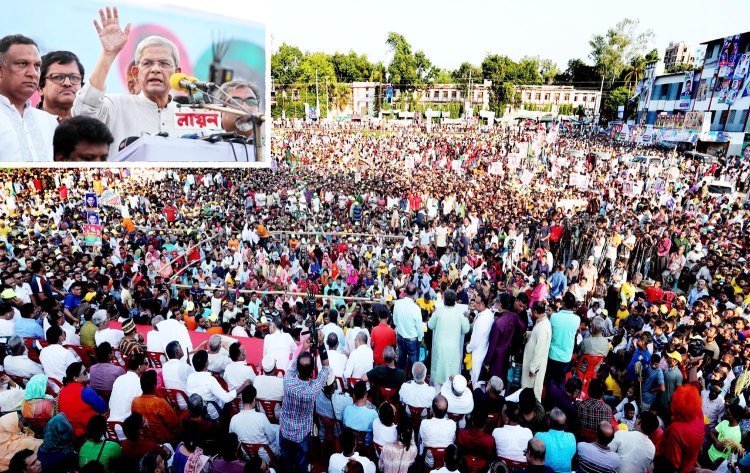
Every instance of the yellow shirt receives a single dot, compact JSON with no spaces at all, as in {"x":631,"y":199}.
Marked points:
{"x":611,"y":385}
{"x":621,"y":314}
{"x":428,"y":306}
{"x":627,"y":291}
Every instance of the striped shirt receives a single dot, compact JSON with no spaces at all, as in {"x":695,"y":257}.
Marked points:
{"x":593,"y":458}
{"x":298,"y":405}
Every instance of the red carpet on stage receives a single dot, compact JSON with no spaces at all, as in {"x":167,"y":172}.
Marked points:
{"x":253,"y":346}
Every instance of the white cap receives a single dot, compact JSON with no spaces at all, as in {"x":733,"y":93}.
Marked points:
{"x":268,"y":363}
{"x":459,"y":384}
{"x":99,"y":317}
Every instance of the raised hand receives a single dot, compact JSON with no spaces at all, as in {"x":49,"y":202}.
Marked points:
{"x":112,"y":37}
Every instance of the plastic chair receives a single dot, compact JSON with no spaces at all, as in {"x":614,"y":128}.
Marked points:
{"x":352,"y":381}
{"x":269,"y":408}
{"x":255,"y":369}
{"x":55,"y":384}
{"x":417,"y":417}
{"x":279,"y":373}
{"x":112,"y":433}
{"x":253,"y":450}
{"x":387,"y":394}
{"x":513,"y":463}
{"x":235,"y":406}
{"x":438,"y":458}
{"x":119,"y":359}
{"x":155,"y":358}
{"x":341,"y":384}
{"x":86,"y":354}
{"x":31,"y":349}
{"x":330,"y":441}
{"x":176,"y":398}
{"x":361,"y":444}
{"x":456,"y":417}
{"x":586,"y":367}
{"x":221,"y":381}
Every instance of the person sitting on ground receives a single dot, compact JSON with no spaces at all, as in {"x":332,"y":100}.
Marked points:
{"x":24,"y":461}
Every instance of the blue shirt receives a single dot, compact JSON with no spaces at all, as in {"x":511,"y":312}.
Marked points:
{"x":653,"y":380}
{"x":564,"y":328}
{"x":644,"y":356}
{"x":561,"y":447}
{"x":360,"y":419}
{"x":28,"y":328}
{"x":557,"y":283}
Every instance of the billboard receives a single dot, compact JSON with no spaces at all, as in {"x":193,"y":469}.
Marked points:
{"x":687,"y":91}
{"x":729,"y":55}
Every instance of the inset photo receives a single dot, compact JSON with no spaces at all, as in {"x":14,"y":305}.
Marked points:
{"x":134,"y":82}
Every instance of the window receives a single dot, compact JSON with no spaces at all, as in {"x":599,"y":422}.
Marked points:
{"x":539,"y":97}
{"x":445,"y":94}
{"x":453,"y":94}
{"x":664,"y":91}
{"x":732,"y":115}
{"x":575,"y":98}
{"x":546,"y":97}
{"x":528,"y":96}
{"x":567,"y":97}
{"x":436,"y":94}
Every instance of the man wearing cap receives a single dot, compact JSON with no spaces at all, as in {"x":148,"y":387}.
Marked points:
{"x":103,"y":332}
{"x":268,"y":385}
{"x":672,"y":379}
{"x":131,"y":342}
{"x":460,"y":400}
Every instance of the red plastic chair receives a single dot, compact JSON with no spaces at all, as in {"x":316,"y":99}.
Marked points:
{"x":112,"y":433}
{"x":176,"y":398}
{"x":387,"y":394}
{"x":279,"y":373}
{"x":155,"y":358}
{"x":253,"y":450}
{"x":513,"y":463}
{"x":330,"y":441}
{"x":221,"y":381}
{"x":86,"y":354}
{"x":438,"y":458}
{"x":352,"y":381}
{"x":457,"y":418}
{"x":585,"y":369}
{"x":55,"y":384}
{"x":269,"y":408}
{"x":361,"y":444}
{"x":417,"y":417}
{"x":31,"y":349}
{"x":255,"y":369}
{"x":119,"y":359}
{"x":235,"y":406}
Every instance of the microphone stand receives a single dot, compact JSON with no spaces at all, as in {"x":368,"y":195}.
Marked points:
{"x":256,"y":119}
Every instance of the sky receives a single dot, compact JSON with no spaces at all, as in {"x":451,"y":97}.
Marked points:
{"x":450,"y":32}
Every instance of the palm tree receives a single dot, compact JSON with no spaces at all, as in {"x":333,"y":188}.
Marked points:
{"x":634,"y":72}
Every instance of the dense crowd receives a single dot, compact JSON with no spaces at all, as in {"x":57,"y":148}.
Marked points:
{"x":381,"y":299}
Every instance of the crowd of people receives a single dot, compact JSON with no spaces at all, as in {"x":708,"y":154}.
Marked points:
{"x":387,"y":298}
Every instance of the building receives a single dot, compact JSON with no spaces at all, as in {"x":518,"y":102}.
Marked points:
{"x":477,"y":95}
{"x":677,"y":54}
{"x":707,"y":109}
{"x":364,"y":95}
{"x":551,"y":97}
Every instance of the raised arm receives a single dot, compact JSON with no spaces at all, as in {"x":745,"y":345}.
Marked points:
{"x":113,"y":40}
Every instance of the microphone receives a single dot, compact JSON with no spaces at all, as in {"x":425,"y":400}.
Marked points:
{"x":184,"y":83}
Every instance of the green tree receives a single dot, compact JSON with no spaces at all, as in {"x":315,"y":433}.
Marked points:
{"x":285,"y":64}
{"x":378,"y":72}
{"x":680,"y":68}
{"x":403,"y":66}
{"x":615,"y":49}
{"x":465,"y":72}
{"x":614,"y":99}
{"x":578,"y":73}
{"x":341,"y":97}
{"x":548,"y":70}
{"x":352,"y":67}
{"x":319,"y":63}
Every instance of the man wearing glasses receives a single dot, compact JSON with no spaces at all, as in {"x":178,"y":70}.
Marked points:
{"x":149,"y":112}
{"x":243,"y":96}
{"x":25,"y":132}
{"x":61,"y":76}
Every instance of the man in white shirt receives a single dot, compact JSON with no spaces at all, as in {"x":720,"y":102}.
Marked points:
{"x":204,"y":384}
{"x":104,"y":333}
{"x":635,"y":448}
{"x":268,"y":385}
{"x":26,"y":133}
{"x":126,"y":388}
{"x":54,"y":357}
{"x":416,"y":392}
{"x":361,"y":360}
{"x":173,"y":330}
{"x":252,"y":426}
{"x":338,"y":461}
{"x":511,"y":439}
{"x":480,"y":335}
{"x":351,"y":334}
{"x":460,"y":399}
{"x":218,"y":356}
{"x":331,"y":326}
{"x":336,"y":360}
{"x":150,"y":112}
{"x":237,"y":371}
{"x":18,"y":362}
{"x":278,"y":344}
{"x":439,"y":431}
{"x":7,"y":328}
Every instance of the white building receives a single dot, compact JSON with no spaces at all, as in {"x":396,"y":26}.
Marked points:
{"x":678,"y":53}
{"x":552,"y":96}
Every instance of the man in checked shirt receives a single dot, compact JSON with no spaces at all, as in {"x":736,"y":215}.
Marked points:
{"x":298,"y":405}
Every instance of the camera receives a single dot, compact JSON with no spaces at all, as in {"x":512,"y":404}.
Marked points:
{"x":311,"y":314}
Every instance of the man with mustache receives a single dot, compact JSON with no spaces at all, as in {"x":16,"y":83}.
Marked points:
{"x":61,"y":76}
{"x":127,"y":115}
{"x":25,"y":132}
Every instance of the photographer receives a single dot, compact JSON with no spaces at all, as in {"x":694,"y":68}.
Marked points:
{"x":300,"y":391}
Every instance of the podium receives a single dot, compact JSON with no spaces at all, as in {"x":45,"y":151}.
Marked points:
{"x":158,"y":149}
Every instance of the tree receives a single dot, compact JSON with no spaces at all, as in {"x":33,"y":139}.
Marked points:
{"x":351,"y":67}
{"x":579,"y":73}
{"x":680,"y":68}
{"x":285,"y":64}
{"x":465,"y":72}
{"x":341,"y":97}
{"x":403,"y":66}
{"x":426,"y":72}
{"x":378,"y":72}
{"x":614,"y":50}
{"x":320,"y":64}
{"x":633,"y":72}
{"x":548,"y":70}
{"x":526,"y":71}
{"x":613,"y":99}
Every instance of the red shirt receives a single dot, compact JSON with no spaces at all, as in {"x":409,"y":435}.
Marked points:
{"x":382,"y":336}
{"x":170,"y":211}
{"x":654,"y":294}
{"x":70,"y":402}
{"x":555,"y":233}
{"x":681,"y":443}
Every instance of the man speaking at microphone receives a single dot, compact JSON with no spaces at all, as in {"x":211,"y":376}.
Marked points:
{"x":149,"y":112}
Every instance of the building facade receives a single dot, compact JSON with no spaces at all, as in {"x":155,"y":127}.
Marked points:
{"x":551,"y":97}
{"x":719,"y":94}
{"x":677,"y":54}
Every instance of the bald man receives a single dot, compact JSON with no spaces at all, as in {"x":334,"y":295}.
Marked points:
{"x":440,"y":431}
{"x":535,"y":453}
{"x":596,"y":457}
{"x":561,"y":445}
